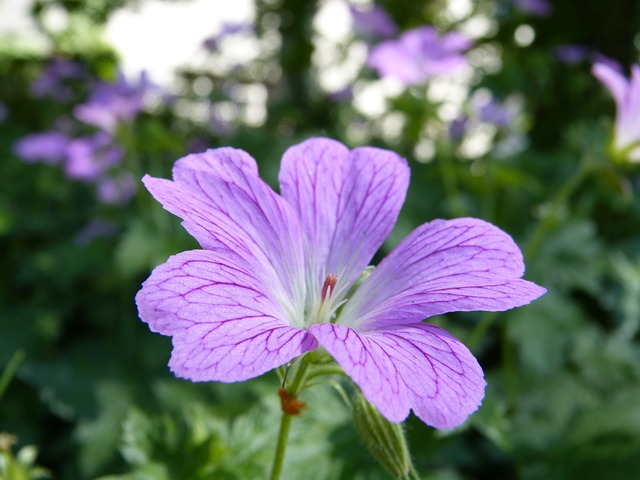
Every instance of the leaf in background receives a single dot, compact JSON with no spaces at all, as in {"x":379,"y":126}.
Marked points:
{"x":99,"y":437}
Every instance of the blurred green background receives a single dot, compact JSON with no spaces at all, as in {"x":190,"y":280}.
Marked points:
{"x":85,"y":391}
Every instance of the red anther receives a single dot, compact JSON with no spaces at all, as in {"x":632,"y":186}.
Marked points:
{"x":328,"y":286}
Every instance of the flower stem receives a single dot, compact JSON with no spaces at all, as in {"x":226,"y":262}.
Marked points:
{"x":283,"y":436}
{"x":561,"y":198}
{"x":10,"y":370}
{"x":285,"y":423}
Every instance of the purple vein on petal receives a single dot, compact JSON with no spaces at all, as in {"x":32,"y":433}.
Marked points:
{"x":347,"y":202}
{"x":226,"y":323}
{"x":419,"y":367}
{"x":237,"y":211}
{"x":443,"y":266}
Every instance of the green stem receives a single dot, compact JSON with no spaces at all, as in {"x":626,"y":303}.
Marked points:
{"x":547,"y":222}
{"x":285,"y":423}
{"x":413,"y":473}
{"x":325,"y":370}
{"x":283,"y":436}
{"x":10,"y":370}
{"x":481,"y":328}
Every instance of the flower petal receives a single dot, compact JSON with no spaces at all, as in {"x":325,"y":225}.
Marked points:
{"x":225,"y":323}
{"x":224,"y":204}
{"x":613,"y":80}
{"x":347,"y":201}
{"x":419,"y":367}
{"x":443,"y":266}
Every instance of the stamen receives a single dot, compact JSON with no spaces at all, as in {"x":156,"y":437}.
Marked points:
{"x":329,"y":286}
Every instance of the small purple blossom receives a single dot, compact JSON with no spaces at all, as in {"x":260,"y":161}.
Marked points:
{"x":228,"y":28}
{"x":537,"y":8}
{"x":46,"y":147}
{"x":458,"y":127}
{"x":572,"y":54}
{"x":626,"y":94}
{"x":419,"y":54}
{"x":373,"y":24}
{"x":88,"y":158}
{"x":95,"y":228}
{"x":53,"y":81}
{"x":276,"y":275}
{"x":496,"y":113}
{"x":117,"y":189}
{"x":343,"y":95}
{"x":113,"y":103}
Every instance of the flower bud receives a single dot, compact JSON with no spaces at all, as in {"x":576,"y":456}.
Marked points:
{"x":385,"y":440}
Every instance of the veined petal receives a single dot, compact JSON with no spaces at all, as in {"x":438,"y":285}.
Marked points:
{"x":418,"y":366}
{"x":628,"y":118}
{"x":443,"y":266}
{"x":225,"y":162}
{"x":225,"y":323}
{"x":613,"y":80}
{"x":347,"y":202}
{"x":224,"y":204}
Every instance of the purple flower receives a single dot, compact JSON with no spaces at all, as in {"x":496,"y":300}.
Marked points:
{"x":276,"y":277}
{"x":458,"y":127}
{"x":228,"y":29}
{"x":537,"y":8}
{"x":116,"y":190}
{"x":374,"y":23}
{"x":499,"y":114}
{"x":46,"y":147}
{"x":53,"y":80}
{"x":626,"y":94}
{"x":88,"y":158}
{"x":95,"y":228}
{"x":112,"y":103}
{"x":572,"y":54}
{"x":419,"y":54}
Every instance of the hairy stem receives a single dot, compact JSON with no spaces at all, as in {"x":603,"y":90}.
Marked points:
{"x":285,"y":423}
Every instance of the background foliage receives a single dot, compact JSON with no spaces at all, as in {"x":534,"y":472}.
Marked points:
{"x":86,"y":383}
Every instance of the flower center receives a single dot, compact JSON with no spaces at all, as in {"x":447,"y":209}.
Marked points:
{"x":328,"y":287}
{"x":323,"y":307}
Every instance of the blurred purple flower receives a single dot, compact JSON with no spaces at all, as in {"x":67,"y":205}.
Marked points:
{"x":95,"y":228}
{"x":113,"y":103}
{"x":419,"y":54}
{"x":537,"y":8}
{"x":88,"y":158}
{"x":458,"y":127}
{"x":46,"y":147}
{"x":277,"y":277}
{"x":626,"y":94}
{"x":373,"y":24}
{"x":52,"y":82}
{"x":496,"y":113}
{"x":116,"y":190}
{"x":227,"y":29}
{"x":343,"y":95}
{"x":572,"y":54}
